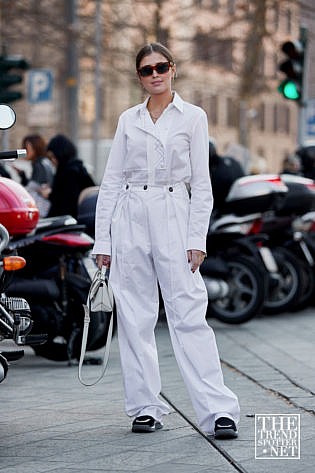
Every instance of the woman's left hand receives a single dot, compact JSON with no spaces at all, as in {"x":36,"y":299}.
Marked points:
{"x":195,"y":258}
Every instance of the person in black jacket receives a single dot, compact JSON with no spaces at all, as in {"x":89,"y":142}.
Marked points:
{"x":70,"y":179}
{"x":224,"y":170}
{"x":306,"y":154}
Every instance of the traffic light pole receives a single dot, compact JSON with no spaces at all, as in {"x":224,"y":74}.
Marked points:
{"x":304,"y":99}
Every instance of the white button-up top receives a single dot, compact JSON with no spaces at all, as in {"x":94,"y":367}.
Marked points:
{"x":174,"y":149}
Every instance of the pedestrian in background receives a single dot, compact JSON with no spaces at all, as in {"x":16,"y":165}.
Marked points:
{"x":42,"y":175}
{"x":224,"y":170}
{"x":149,"y":230}
{"x":291,"y":165}
{"x":70,"y":179}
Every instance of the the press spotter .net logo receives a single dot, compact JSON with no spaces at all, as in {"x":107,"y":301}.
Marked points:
{"x":277,"y":436}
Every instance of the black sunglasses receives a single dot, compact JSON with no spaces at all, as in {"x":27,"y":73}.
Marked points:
{"x":160,"y":68}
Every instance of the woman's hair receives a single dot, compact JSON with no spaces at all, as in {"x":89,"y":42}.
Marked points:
{"x":153,"y":48}
{"x":38,"y":143}
{"x":63,"y":148}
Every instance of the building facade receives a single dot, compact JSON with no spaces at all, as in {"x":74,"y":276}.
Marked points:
{"x":227,"y":54}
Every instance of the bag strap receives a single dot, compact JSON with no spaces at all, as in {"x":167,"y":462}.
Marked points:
{"x":84,"y":342}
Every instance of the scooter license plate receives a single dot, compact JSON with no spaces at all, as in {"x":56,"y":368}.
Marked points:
{"x":268,"y":259}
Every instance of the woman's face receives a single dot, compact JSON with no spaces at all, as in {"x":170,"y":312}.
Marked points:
{"x":156,"y":83}
{"x":30,"y":152}
{"x":50,"y":155}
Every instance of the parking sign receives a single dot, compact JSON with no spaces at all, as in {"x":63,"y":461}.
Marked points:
{"x":40,"y":85}
{"x":41,"y":107}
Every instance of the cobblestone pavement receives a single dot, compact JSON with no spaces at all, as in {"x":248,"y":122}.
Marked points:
{"x":51,"y":423}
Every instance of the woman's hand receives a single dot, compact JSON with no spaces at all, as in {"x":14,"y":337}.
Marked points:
{"x":45,"y":190}
{"x":103,"y":260}
{"x":195,"y":258}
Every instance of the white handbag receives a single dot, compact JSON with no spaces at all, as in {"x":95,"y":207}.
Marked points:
{"x":100,"y":299}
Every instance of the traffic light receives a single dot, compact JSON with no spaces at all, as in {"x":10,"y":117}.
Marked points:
{"x":7,"y":79}
{"x":293,"y":67}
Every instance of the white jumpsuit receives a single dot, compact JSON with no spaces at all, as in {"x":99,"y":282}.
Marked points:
{"x":146,"y":221}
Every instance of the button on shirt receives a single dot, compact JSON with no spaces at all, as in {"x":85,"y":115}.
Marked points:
{"x":173,"y":149}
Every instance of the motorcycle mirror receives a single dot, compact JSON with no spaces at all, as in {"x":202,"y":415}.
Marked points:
{"x":7,"y":117}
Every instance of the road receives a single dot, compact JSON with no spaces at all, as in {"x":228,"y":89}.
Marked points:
{"x":51,"y":423}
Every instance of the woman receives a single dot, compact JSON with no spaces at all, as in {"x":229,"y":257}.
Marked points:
{"x":148,"y":229}
{"x":70,"y":179}
{"x":40,"y":182}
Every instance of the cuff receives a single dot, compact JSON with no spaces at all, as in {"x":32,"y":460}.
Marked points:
{"x":102,"y":248}
{"x":196,"y":243}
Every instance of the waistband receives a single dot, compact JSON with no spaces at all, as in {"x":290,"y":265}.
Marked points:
{"x":147,"y":187}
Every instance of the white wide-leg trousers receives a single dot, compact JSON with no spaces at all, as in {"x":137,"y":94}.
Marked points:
{"x":149,"y":232}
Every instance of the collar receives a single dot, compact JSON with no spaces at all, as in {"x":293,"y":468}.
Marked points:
{"x":177,"y":102}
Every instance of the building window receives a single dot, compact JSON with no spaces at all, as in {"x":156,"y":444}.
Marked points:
{"x":281,"y":119}
{"x":261,"y":151}
{"x":276,"y":17}
{"x":197,"y":98}
{"x":213,"y":110}
{"x":213,"y":50}
{"x":231,"y":7}
{"x":232,"y":115}
{"x":198,"y":3}
{"x":215,"y":5}
{"x":261,"y":62}
{"x":163,"y":36}
{"x":275,"y":118}
{"x":285,"y":119}
{"x":271,"y":65}
{"x":288,"y":21}
{"x":261,"y":117}
{"x":275,"y":66}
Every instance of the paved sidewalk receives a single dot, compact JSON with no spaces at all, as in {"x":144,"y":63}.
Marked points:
{"x":51,"y":423}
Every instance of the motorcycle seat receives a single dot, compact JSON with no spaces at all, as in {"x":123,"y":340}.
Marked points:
{"x":54,"y":222}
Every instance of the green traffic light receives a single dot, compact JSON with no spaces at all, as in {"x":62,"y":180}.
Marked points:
{"x":289,"y":90}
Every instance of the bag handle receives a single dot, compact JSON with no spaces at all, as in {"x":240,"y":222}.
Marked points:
{"x":85,"y":337}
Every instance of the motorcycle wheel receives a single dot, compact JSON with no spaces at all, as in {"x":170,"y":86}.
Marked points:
{"x":308,"y":287}
{"x":246,"y":292}
{"x":57,"y":348}
{"x":285,"y":292}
